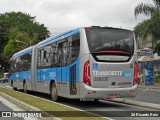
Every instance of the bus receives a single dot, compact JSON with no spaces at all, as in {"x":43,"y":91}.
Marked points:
{"x":84,"y":63}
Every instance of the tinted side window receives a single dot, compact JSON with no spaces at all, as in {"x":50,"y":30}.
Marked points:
{"x":40,"y":58}
{"x":18,"y":64}
{"x":60,"y":54}
{"x":22,"y":63}
{"x":63,"y":53}
{"x":47,"y":56}
{"x":25,"y":62}
{"x":12,"y":63}
{"x":74,"y":46}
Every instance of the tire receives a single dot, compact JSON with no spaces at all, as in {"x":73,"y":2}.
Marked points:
{"x":14,"y":88}
{"x":53,"y":92}
{"x":25,"y":88}
{"x":96,"y":100}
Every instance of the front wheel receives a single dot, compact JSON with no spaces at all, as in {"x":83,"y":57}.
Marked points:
{"x":54,"y":94}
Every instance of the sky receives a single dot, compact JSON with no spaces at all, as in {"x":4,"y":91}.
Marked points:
{"x":61,"y":15}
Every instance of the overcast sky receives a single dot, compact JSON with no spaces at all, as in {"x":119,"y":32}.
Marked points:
{"x":59,"y":15}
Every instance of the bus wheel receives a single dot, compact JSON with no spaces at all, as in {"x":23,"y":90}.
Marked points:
{"x":14,"y":88}
{"x":25,"y":88}
{"x":54,"y":95}
{"x":96,"y":100}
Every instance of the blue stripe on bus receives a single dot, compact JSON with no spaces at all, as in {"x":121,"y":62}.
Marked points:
{"x":49,"y":74}
{"x":25,"y":75}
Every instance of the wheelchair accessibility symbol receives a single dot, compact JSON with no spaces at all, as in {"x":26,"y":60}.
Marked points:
{"x":95,"y":66}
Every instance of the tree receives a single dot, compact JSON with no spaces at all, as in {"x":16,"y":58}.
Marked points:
{"x":147,"y":9}
{"x":12,"y":46}
{"x":152,"y":25}
{"x":18,"y":26}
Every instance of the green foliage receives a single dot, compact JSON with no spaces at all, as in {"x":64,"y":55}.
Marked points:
{"x":157,"y":49}
{"x":155,"y":24}
{"x":13,"y":46}
{"x":18,"y":26}
{"x":152,"y":25}
{"x":1,"y":74}
{"x":24,"y":22}
{"x":157,"y":79}
{"x":142,"y":29}
{"x":144,"y":9}
{"x":9,"y":50}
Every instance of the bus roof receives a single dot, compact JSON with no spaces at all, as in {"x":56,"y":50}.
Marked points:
{"x":22,"y":52}
{"x":57,"y":38}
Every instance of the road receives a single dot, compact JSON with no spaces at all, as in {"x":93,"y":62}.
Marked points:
{"x":143,"y":95}
{"x":6,"y":106}
{"x":101,"y":107}
{"x":147,"y":95}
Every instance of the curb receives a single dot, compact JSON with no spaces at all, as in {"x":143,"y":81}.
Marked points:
{"x":137,"y":103}
{"x":28,"y":107}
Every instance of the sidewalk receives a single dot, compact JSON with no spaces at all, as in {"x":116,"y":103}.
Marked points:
{"x":152,"y":86}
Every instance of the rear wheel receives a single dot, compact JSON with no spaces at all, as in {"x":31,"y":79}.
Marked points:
{"x":54,"y":94}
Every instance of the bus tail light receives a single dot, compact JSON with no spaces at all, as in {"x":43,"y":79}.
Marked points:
{"x":86,"y":74}
{"x":135,"y":81}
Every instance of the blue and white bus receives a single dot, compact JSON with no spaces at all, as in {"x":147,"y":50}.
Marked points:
{"x":85,"y":63}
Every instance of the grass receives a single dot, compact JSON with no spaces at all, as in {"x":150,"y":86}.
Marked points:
{"x":50,"y":106}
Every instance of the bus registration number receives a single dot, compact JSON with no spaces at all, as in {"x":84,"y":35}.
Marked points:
{"x":111,"y":96}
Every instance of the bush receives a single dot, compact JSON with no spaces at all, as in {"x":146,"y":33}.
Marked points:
{"x":157,"y":78}
{"x":1,"y":74}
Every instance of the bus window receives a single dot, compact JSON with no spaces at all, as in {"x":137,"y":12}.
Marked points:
{"x":25,"y":62}
{"x":74,"y":46}
{"x":40,"y":58}
{"x":62,"y":53}
{"x":110,"y":44}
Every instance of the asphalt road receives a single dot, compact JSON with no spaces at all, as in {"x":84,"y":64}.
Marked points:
{"x":5,"y":108}
{"x":147,"y":95}
{"x":102,"y":107}
{"x":143,"y":95}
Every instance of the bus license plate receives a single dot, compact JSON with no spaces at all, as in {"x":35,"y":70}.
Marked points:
{"x":111,"y":96}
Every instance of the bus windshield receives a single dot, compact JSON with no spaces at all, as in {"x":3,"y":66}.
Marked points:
{"x":117,"y":43}
{"x":110,"y":39}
